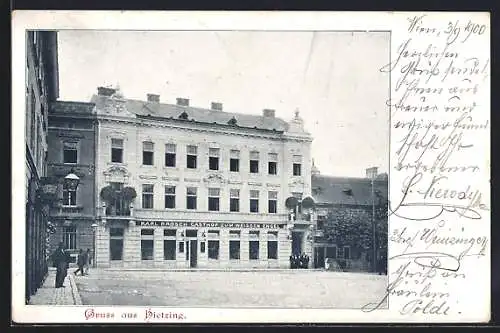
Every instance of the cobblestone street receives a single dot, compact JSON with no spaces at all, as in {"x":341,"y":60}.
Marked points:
{"x":286,"y":288}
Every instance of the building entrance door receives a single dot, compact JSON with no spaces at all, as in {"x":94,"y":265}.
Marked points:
{"x":193,"y":252}
{"x":319,"y":257}
{"x":297,"y":242}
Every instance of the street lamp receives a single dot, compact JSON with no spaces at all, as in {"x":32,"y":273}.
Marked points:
{"x":372,"y":174}
{"x":94,"y":228}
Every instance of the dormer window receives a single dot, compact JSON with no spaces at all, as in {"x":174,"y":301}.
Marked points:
{"x":232,"y":121}
{"x":184,"y":115}
{"x":347,"y":191}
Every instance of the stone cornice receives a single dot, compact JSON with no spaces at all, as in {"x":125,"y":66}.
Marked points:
{"x":205,"y":128}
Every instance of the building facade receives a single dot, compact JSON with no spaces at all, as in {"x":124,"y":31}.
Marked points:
{"x":41,"y":88}
{"x":179,"y":186}
{"x":346,"y":209}
{"x":71,"y":142}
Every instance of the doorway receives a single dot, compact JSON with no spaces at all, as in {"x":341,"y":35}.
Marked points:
{"x":297,"y":242}
{"x":319,"y":257}
{"x":193,"y":252}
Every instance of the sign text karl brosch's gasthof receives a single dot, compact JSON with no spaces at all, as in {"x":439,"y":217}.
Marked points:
{"x":209,"y":225}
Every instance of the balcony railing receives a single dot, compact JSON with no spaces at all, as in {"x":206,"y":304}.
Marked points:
{"x":65,"y":210}
{"x":117,"y":211}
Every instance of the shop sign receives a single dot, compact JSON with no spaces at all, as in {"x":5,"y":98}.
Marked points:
{"x":209,"y":225}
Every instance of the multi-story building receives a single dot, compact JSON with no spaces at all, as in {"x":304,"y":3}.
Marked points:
{"x":181,"y":186}
{"x":41,"y":88}
{"x":71,"y":141}
{"x":352,"y":205}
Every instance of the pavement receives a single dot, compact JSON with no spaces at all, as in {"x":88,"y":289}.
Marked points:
{"x":48,"y":294}
{"x":231,"y":289}
{"x":214,"y":288}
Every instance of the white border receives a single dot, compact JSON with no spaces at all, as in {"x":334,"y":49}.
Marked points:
{"x":53,"y":20}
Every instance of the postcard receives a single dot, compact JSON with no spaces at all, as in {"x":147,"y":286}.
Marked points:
{"x":250,"y":167}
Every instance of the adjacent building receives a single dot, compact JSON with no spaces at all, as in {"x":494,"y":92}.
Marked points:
{"x":71,"y":142}
{"x":181,"y":186}
{"x":350,"y":205}
{"x":41,"y":88}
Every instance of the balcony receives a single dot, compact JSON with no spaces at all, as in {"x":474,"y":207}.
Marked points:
{"x":118,"y":211}
{"x":67,"y":210}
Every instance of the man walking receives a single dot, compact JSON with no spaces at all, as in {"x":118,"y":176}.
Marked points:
{"x":80,"y":262}
{"x":61,"y":260}
{"x":87,"y":261}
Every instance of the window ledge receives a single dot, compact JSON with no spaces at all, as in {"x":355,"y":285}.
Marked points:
{"x":117,"y":163}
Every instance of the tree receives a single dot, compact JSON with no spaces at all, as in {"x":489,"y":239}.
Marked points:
{"x":347,"y":226}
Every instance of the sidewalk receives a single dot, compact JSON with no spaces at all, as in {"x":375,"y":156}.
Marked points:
{"x":48,"y":294}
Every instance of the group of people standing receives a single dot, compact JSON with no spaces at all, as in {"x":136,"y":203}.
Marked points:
{"x":61,"y":259}
{"x":299,"y":261}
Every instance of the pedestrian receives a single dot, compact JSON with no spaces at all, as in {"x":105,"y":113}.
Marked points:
{"x":87,"y":261}
{"x":80,"y":262}
{"x":61,"y":261}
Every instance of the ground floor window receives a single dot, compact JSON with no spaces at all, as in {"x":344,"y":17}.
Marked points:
{"x":116,"y":243}
{"x":213,"y":249}
{"x":234,"y":249}
{"x":272,"y":245}
{"x":169,"y":249}
{"x":116,"y":249}
{"x":69,"y":237}
{"x":253,"y":253}
{"x":147,"y":244}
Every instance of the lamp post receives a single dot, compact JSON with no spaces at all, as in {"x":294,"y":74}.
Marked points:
{"x":94,"y":229}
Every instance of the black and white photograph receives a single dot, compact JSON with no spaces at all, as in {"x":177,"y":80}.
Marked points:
{"x":258,"y":167}
{"x":207,"y":168}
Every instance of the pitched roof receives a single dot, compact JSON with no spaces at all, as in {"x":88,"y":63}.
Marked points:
{"x":346,"y":190}
{"x":167,"y":111}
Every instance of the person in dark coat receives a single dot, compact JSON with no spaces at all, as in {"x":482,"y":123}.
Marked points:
{"x":61,"y":261}
{"x":80,"y":262}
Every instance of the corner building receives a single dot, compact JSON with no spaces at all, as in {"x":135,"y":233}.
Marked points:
{"x":191,"y":187}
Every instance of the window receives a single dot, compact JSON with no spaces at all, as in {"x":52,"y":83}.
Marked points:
{"x":69,"y":197}
{"x":169,"y":196}
{"x":213,"y":244}
{"x":253,"y":245}
{"x":192,"y":152}
{"x":213,"y":199}
{"x":147,"y":153}
{"x":272,"y":202}
{"x":273,"y":164}
{"x":191,"y":198}
{"x":234,"y":162}
{"x":147,"y":196}
{"x":69,"y":237}
{"x":169,"y":244}
{"x":297,"y":165}
{"x":272,"y":245}
{"x":213,"y":159}
{"x":70,"y":152}
{"x":116,"y":243}
{"x":147,"y":244}
{"x":170,"y":155}
{"x":320,"y":223}
{"x":234,"y":244}
{"x":181,"y":247}
{"x":234,"y":200}
{"x":254,"y":162}
{"x":331,"y":252}
{"x":347,"y":252}
{"x":254,"y":201}
{"x":117,"y":150}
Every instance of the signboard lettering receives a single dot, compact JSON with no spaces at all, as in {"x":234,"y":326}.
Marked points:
{"x":209,"y":225}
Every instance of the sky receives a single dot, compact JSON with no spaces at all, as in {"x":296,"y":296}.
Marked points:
{"x":333,"y":78}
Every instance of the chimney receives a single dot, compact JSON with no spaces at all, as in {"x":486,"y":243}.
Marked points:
{"x":216,"y":106}
{"x":371,"y":173}
{"x":268,"y":113}
{"x":153,"y":98}
{"x":183,"y":101}
{"x":103,"y":91}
